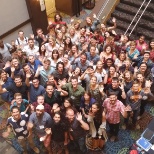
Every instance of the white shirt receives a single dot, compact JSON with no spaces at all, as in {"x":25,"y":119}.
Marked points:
{"x":34,"y":51}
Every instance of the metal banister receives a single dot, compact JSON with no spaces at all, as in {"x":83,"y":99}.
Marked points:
{"x":134,"y":17}
{"x":140,"y":17}
{"x":101,"y":10}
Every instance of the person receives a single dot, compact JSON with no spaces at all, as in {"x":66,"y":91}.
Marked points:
{"x":35,"y":89}
{"x":40,"y":101}
{"x":59,"y":140}
{"x":151,"y":47}
{"x":31,"y":48}
{"x":77,"y":129}
{"x":86,"y":103}
{"x":44,"y":71}
{"x":40,"y":38}
{"x":21,"y":41}
{"x":34,"y":63}
{"x":67,"y":44}
{"x":75,"y":91}
{"x":92,"y":56}
{"x":81,"y":62}
{"x":54,"y":58}
{"x":132,"y":51}
{"x":117,"y":88}
{"x":97,"y":121}
{"x":7,"y":81}
{"x":141,"y":44}
{"x":5,"y":49}
{"x":96,"y":90}
{"x":60,"y":73}
{"x":88,"y":74}
{"x":22,"y":104}
{"x":53,"y":96}
{"x":18,"y":123}
{"x":112,"y":108}
{"x":17,"y":87}
{"x":41,"y":122}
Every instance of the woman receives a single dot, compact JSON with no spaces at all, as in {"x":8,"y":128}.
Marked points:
{"x":100,"y":70}
{"x":128,"y":80}
{"x":59,"y":38}
{"x":66,"y":61}
{"x":141,"y":44}
{"x":120,"y":60}
{"x":107,"y":53}
{"x":97,"y":121}
{"x":109,"y":62}
{"x":151,"y":47}
{"x":144,"y":70}
{"x":86,"y":103}
{"x":132,"y":51}
{"x":96,"y":90}
{"x":67,"y":44}
{"x":112,"y":73}
{"x":50,"y":46}
{"x":72,"y":34}
{"x":43,"y":53}
{"x":92,"y":25}
{"x":63,"y":29}
{"x":74,"y":53}
{"x":67,"y":104}
{"x":54,"y":58}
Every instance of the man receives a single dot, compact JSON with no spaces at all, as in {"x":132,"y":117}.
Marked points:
{"x":134,"y":98}
{"x":26,"y":70}
{"x":18,"y":123}
{"x":53,"y":96}
{"x":113,"y":107}
{"x":14,"y":69}
{"x":5,"y":51}
{"x":17,"y":87}
{"x":34,"y":63}
{"x":81,"y":62}
{"x":40,"y":101}
{"x":31,"y":49}
{"x":21,"y":41}
{"x":40,"y":38}
{"x":60,"y":73}
{"x":116,"y":88}
{"x":41,"y":122}
{"x":88,"y":74}
{"x":44,"y":71}
{"x":77,"y":129}
{"x":92,"y":56}
{"x":34,"y":88}
{"x":7,"y":82}
{"x":75,"y":91}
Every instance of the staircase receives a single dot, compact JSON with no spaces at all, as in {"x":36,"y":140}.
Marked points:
{"x":124,"y":13}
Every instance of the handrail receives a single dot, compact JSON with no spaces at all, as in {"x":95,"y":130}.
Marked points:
{"x":140,"y":17}
{"x":101,"y":10}
{"x":134,"y":17}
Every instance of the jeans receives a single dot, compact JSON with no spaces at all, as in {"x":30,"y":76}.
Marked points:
{"x":114,"y":129}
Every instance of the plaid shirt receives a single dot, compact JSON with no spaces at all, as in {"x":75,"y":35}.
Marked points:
{"x":113,"y":111}
{"x":47,"y":107}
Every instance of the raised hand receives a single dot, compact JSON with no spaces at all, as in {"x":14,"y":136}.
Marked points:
{"x":55,"y":106}
{"x":28,"y":75}
{"x":12,"y":69}
{"x":128,"y":108}
{"x":113,"y":19}
{"x":79,"y":116}
{"x":94,"y":16}
{"x":5,"y":134}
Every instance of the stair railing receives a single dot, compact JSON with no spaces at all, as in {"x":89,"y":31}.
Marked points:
{"x":140,"y":17}
{"x":134,"y":17}
{"x":102,"y":9}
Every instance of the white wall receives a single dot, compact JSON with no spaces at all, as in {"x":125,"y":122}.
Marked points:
{"x":12,"y":14}
{"x":27,"y":30}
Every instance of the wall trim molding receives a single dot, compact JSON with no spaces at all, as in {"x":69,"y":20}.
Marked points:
{"x":15,"y":28}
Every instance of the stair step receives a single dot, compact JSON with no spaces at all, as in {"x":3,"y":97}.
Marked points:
{"x":133,"y":10}
{"x":137,"y":3}
{"x":128,"y":18}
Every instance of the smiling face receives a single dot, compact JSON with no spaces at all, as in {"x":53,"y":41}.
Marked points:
{"x":16,"y":114}
{"x":56,"y":118}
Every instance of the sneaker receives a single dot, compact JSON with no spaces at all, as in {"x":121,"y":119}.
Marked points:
{"x":36,"y":150}
{"x":137,"y":126}
{"x":124,"y":127}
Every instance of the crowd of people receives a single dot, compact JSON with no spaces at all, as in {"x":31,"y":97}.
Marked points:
{"x":67,"y":86}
